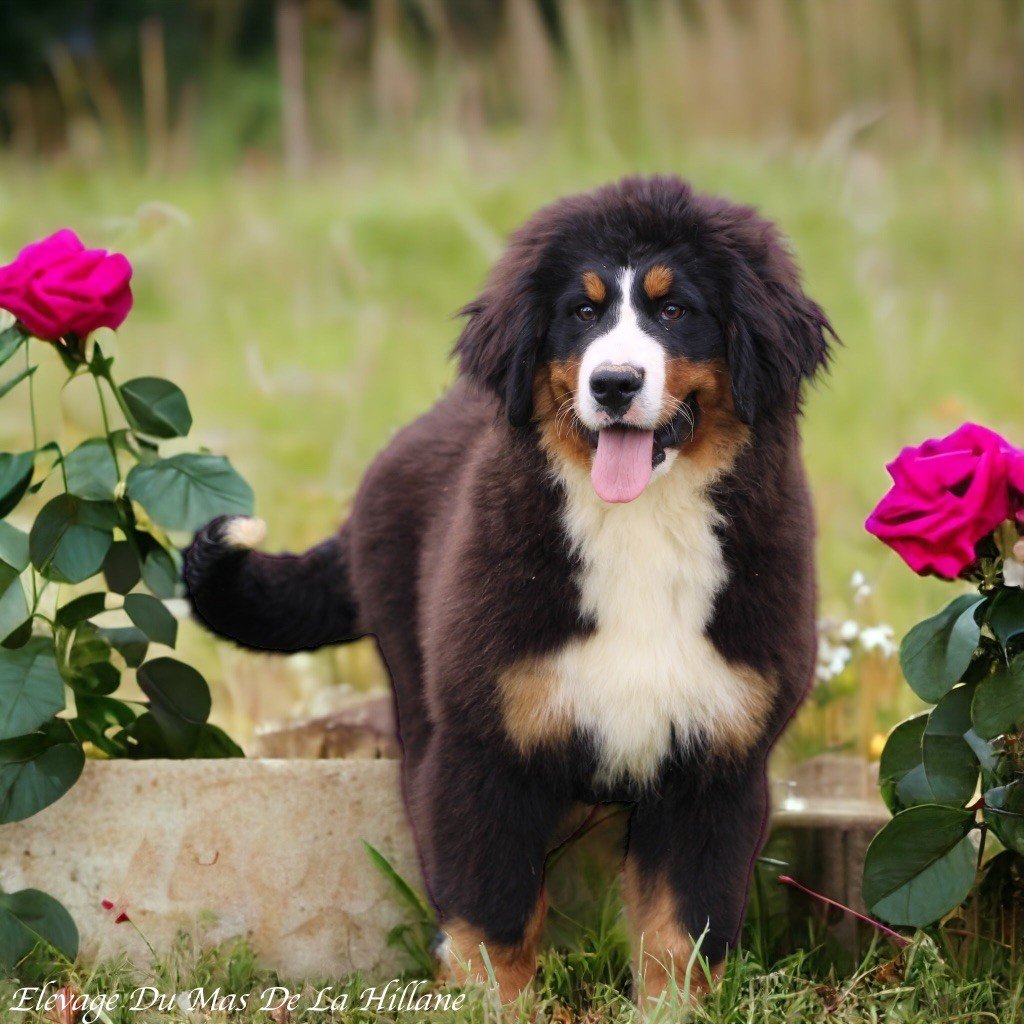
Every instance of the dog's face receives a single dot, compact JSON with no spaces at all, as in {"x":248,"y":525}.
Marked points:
{"x":640,"y":322}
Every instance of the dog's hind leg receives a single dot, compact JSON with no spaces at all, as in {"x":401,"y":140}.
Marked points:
{"x":686,"y":879}
{"x":485,"y":826}
{"x":281,"y":603}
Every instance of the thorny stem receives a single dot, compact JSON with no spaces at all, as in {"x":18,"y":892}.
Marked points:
{"x":895,"y":937}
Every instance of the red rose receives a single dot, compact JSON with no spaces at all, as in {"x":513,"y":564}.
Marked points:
{"x":58,"y":287}
{"x":947,"y":495}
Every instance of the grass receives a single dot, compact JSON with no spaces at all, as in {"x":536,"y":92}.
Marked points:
{"x":922,"y":985}
{"x":790,"y":968}
{"x":308,"y":321}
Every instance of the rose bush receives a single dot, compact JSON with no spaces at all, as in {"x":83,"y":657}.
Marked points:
{"x":84,"y":586}
{"x":947,"y":496}
{"x":953,"y":776}
{"x":56,"y":287}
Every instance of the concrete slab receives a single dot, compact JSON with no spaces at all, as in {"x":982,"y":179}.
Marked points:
{"x":273,"y":850}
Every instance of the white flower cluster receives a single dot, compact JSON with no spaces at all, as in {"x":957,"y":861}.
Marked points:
{"x":838,"y":642}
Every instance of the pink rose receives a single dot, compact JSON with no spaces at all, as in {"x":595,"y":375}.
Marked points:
{"x":58,"y":287}
{"x":947,"y":495}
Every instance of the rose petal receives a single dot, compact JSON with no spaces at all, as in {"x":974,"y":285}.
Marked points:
{"x":947,"y":495}
{"x":57,"y":287}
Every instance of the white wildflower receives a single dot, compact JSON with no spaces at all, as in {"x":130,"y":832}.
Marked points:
{"x":849,"y":630}
{"x":832,"y":659}
{"x":881,"y":638}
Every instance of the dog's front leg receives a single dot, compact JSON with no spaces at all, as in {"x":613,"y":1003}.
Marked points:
{"x":486,"y":822}
{"x":692,"y":846}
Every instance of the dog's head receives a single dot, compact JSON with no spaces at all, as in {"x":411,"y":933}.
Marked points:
{"x":640,"y":321}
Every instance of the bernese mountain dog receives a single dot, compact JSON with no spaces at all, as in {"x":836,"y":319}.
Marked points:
{"x":589,"y":570}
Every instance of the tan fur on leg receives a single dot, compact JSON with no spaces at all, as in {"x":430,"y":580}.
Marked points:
{"x":514,"y":965}
{"x":661,"y":945}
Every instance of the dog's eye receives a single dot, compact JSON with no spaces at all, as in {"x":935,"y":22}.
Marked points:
{"x":670,"y":311}
{"x":586,"y":313}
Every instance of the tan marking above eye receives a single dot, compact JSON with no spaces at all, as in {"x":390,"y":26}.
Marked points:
{"x":594,"y":287}
{"x":657,"y":281}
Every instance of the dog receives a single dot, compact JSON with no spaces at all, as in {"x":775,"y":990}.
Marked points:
{"x":588,"y":568}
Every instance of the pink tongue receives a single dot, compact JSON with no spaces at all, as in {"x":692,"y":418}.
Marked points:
{"x":622,"y":465}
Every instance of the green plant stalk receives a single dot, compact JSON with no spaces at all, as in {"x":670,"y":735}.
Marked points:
{"x":35,"y":448}
{"x":106,"y":427}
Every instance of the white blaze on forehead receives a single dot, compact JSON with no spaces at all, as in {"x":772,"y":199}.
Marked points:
{"x":626,"y":343}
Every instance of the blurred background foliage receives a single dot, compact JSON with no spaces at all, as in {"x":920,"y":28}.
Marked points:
{"x":309,"y":188}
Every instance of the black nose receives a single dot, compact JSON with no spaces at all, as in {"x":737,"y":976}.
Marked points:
{"x":614,"y":387}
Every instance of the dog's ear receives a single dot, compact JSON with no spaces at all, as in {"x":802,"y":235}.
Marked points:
{"x":499,"y":345}
{"x":777,"y":336}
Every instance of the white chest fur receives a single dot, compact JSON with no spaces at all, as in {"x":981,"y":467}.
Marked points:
{"x":651,"y":571}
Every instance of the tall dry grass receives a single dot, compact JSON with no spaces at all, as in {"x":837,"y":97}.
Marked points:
{"x":911,"y":72}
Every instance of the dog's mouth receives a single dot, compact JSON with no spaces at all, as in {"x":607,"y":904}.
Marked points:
{"x":625,"y":457}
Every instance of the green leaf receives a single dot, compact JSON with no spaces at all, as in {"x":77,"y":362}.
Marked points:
{"x":14,"y":611}
{"x":91,"y":470}
{"x":129,"y":641}
{"x":18,"y":637}
{"x":71,"y":537}
{"x":137,"y":447}
{"x":81,"y":608}
{"x":936,"y":653}
{"x":150,"y":615}
{"x":186,"y":491}
{"x":105,"y":712}
{"x":147,"y":739}
{"x":179,"y":701}
{"x":10,"y":341}
{"x":950,"y":764}
{"x":16,"y":380}
{"x":215,"y":742}
{"x":38,"y":769}
{"x":984,"y":751}
{"x":29,"y":917}
{"x":99,"y":364}
{"x":914,"y":789}
{"x":96,"y":715}
{"x":999,"y":701}
{"x":156,"y":407}
{"x":97,"y":679}
{"x":13,"y":547}
{"x":15,"y":476}
{"x":921,"y":865}
{"x":84,"y":646}
{"x":900,"y":757}
{"x":31,"y":688}
{"x":160,"y":571}
{"x":412,"y":899}
{"x":1006,"y":616}
{"x":1004,"y":812}
{"x":121,"y":567}
{"x":7,"y":576}
{"x":47,"y":459}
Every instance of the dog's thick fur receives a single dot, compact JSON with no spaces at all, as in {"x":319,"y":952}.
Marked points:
{"x":547,"y":648}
